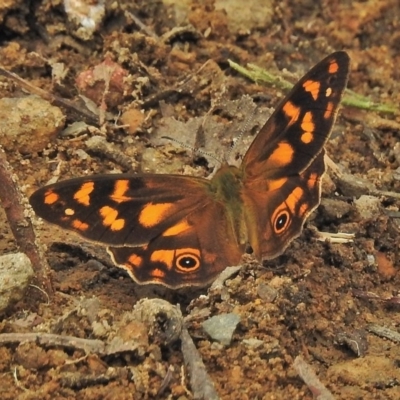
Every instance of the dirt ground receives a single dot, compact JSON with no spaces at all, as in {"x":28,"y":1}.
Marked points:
{"x":329,"y":302}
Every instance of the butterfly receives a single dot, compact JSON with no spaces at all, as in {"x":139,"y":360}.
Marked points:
{"x":179,"y":230}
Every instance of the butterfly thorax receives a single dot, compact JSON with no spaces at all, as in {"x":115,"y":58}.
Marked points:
{"x":226,"y":187}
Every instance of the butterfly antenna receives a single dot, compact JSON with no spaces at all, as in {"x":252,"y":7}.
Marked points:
{"x":195,"y":150}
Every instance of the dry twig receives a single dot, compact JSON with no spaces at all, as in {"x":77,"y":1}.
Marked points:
{"x":384,"y":332}
{"x":66,"y":104}
{"x":200,"y":382}
{"x":50,"y":339}
{"x":309,"y":377}
{"x":21,"y":227}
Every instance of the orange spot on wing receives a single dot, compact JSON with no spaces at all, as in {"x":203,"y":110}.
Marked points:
{"x":177,"y":229}
{"x":328,"y":111}
{"x":307,"y":124}
{"x":158,"y":274}
{"x":303,"y":210}
{"x":152,"y":214}
{"x":164,"y":256}
{"x":313,"y":88}
{"x":79,"y":225}
{"x":209,"y":258}
{"x":82,"y":196}
{"x":307,"y":137}
{"x":135,"y":260}
{"x":118,"y":224}
{"x":308,"y":127}
{"x":50,"y":197}
{"x":313,"y":180}
{"x":120,"y":188}
{"x":282,"y":155}
{"x":293,"y":198}
{"x":333,"y":67}
{"x":110,"y":216}
{"x":291,"y":111}
{"x":276,"y":184}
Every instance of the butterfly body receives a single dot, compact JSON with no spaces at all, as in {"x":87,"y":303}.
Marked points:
{"x":181,"y":230}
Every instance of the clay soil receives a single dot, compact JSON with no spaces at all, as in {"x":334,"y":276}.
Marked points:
{"x":170,"y":77}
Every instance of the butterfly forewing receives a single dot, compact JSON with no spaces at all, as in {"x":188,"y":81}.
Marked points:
{"x":120,"y":209}
{"x":300,"y":126}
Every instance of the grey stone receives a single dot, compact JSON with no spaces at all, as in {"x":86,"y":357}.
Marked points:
{"x":15,"y":273}
{"x":221,"y":327}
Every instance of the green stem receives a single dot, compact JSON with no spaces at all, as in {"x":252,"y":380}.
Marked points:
{"x":351,"y":98}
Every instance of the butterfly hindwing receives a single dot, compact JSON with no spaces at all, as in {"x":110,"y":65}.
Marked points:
{"x":281,"y":212}
{"x":192,"y":252}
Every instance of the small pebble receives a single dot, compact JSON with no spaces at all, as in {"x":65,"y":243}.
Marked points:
{"x":267,"y":293}
{"x":15,"y":273}
{"x":368,"y":206}
{"x":254,"y":343}
{"x":28,"y":124}
{"x":84,"y":16}
{"x":221,"y":327}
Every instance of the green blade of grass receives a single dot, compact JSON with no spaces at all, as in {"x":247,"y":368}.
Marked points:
{"x":351,"y":98}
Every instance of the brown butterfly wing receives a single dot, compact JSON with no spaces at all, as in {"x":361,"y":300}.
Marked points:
{"x":192,"y":252}
{"x":300,"y":126}
{"x":276,"y":217}
{"x":159,"y":227}
{"x":283,"y":167}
